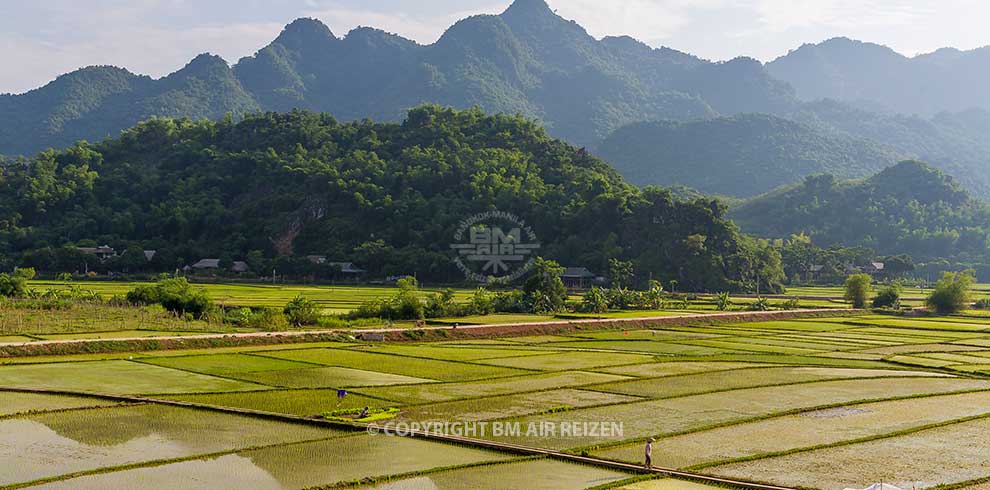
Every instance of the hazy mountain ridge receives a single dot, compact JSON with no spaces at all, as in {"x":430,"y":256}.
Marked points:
{"x":852,"y":71}
{"x":527,"y":60}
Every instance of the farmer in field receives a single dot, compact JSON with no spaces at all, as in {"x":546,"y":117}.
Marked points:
{"x":649,"y":453}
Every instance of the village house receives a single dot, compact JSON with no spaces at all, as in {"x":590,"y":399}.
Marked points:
{"x":102,"y":252}
{"x":579,"y":277}
{"x":214,"y":264}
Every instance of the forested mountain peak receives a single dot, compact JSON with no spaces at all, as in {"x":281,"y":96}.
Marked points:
{"x":914,"y":180}
{"x":907,"y":208}
{"x":305,"y":32}
{"x":205,"y":64}
{"x":528,"y":8}
{"x":742,"y":155}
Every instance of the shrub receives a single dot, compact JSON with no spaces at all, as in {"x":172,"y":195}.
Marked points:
{"x":889,"y":297}
{"x":439,"y":305}
{"x":982,"y":304}
{"x":595,"y":300}
{"x":791,"y":304}
{"x":858,"y":289}
{"x":13,"y":286}
{"x":27,"y":273}
{"x":544,"y":290}
{"x":951,"y":294}
{"x":653,"y":297}
{"x":405,"y":305}
{"x":482,"y":302}
{"x":722,"y":301}
{"x":509,"y":302}
{"x":761,"y":304}
{"x":301,"y":311}
{"x":175,"y":295}
{"x":260,"y":318}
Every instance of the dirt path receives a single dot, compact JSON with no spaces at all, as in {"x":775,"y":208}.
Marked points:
{"x":464,"y":331}
{"x":462,"y":441}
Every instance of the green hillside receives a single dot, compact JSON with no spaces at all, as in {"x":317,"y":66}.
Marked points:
{"x":909,"y":208}
{"x":387,"y":196}
{"x":742,"y":155}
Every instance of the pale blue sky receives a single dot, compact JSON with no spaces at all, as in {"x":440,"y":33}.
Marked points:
{"x":41,"y":39}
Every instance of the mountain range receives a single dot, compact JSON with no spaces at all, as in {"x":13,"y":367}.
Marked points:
{"x":529,"y":61}
{"x":879,"y":77}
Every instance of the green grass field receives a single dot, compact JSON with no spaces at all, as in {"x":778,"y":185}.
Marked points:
{"x":823,"y":403}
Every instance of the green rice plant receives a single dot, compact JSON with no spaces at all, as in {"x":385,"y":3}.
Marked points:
{"x":569,"y":360}
{"x":115,"y":377}
{"x":512,"y":405}
{"x":804,"y":430}
{"x":386,"y":363}
{"x":225,"y":364}
{"x":430,"y":393}
{"x":372,"y":414}
{"x":696,"y":412}
{"x":305,"y":402}
{"x":12,"y":402}
{"x":689,"y":384}
{"x":326,"y":377}
{"x":684,"y":348}
{"x":935,"y":456}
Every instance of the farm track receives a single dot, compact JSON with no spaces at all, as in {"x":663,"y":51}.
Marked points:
{"x":462,"y":441}
{"x":166,"y":342}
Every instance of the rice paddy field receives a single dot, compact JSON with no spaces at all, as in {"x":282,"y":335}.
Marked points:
{"x":828,"y":403}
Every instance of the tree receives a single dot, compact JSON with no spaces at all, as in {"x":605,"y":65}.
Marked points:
{"x":619,"y":272}
{"x":174,"y":294}
{"x":544,"y":290}
{"x":858,"y":289}
{"x":952,"y":293}
{"x":722,"y":301}
{"x":654,"y":295}
{"x":26,"y":273}
{"x":407,"y":305}
{"x":898,"y":265}
{"x":12,"y":286}
{"x":482,"y":302}
{"x":301,"y":311}
{"x":889,"y":296}
{"x":595,"y":300}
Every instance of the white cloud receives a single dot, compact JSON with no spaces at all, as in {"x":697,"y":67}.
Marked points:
{"x":641,"y":19}
{"x":148,"y":51}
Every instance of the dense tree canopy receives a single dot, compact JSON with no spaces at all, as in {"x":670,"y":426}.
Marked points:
{"x":743,"y":155}
{"x":909,"y":208}
{"x":279,"y":187}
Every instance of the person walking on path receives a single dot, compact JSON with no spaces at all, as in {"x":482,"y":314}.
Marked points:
{"x":649,"y":453}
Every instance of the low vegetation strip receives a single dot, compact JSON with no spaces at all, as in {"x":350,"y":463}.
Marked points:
{"x":81,"y":346}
